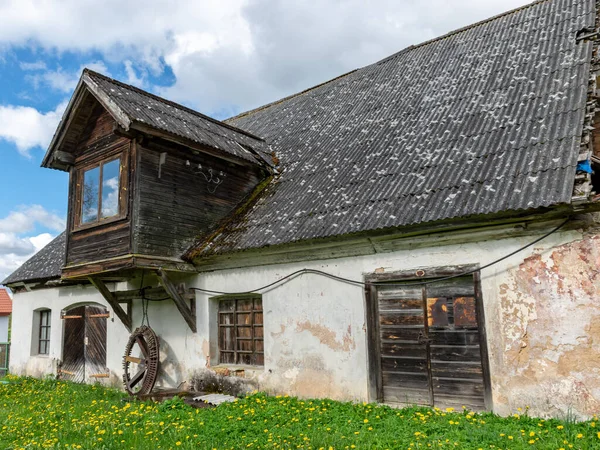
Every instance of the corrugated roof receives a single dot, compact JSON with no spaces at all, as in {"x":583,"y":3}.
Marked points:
{"x":5,"y":303}
{"x":484,"y":120}
{"x":45,"y":264}
{"x":132,"y":106}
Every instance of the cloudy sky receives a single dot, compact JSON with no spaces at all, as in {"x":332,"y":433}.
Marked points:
{"x":219,"y":57}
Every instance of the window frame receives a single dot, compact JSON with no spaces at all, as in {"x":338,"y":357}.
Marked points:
{"x":123,"y":156}
{"x":257,"y":356}
{"x":47,"y":326}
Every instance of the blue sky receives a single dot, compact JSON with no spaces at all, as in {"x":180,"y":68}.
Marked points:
{"x":218,"y":57}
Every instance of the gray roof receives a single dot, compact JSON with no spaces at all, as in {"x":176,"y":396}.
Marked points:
{"x":484,"y":120}
{"x":45,"y":264}
{"x":131,"y":106}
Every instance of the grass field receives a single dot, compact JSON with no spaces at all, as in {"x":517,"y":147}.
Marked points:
{"x":61,"y":415}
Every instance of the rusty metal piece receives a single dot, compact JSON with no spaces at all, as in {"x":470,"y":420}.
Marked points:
{"x":141,"y":382}
{"x":437,"y":312}
{"x":465,"y":312}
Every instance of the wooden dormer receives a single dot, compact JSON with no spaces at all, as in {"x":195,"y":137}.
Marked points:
{"x":147,"y":177}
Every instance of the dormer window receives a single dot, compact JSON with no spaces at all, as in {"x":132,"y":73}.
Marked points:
{"x":101,"y":190}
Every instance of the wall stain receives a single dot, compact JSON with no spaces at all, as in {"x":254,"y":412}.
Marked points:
{"x":328,"y":337}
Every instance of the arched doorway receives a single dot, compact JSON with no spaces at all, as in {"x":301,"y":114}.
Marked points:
{"x":84,"y":344}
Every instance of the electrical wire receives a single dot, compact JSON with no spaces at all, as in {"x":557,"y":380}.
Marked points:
{"x":297,"y":273}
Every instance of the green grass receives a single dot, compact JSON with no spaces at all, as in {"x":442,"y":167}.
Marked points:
{"x":52,"y":414}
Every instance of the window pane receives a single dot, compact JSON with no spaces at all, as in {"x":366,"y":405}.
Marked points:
{"x":89,"y":207}
{"x":43,"y":348}
{"x":110,"y":188}
{"x":44,"y":333}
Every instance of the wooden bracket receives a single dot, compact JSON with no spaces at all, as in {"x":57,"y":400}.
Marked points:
{"x":188,"y":312}
{"x":125,"y":317}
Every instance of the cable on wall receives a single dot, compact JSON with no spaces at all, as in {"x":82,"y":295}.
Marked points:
{"x":297,"y":273}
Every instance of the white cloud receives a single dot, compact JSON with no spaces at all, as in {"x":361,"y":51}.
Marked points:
{"x":132,"y":76}
{"x":26,"y":218}
{"x":239,"y":53}
{"x":65,"y":81}
{"x":37,"y":65}
{"x":20,"y":238}
{"x":14,"y":251}
{"x":27,"y":127}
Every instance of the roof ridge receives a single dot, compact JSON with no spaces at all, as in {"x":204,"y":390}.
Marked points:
{"x":171,"y":103}
{"x":289,"y":97}
{"x":387,"y":58}
{"x":460,"y":30}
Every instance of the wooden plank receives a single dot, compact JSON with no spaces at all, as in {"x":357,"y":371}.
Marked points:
{"x":373,"y":344}
{"x":406,"y":396}
{"x":457,"y":370}
{"x":403,"y":349}
{"x":71,"y":317}
{"x":483,"y":342}
{"x":99,"y":375}
{"x":469,"y":353}
{"x":410,"y":317}
{"x":186,"y":311}
{"x":95,"y":341}
{"x":99,"y":316}
{"x":401,"y":334}
{"x":454,"y":337}
{"x":123,"y":296}
{"x":112,"y":301}
{"x":404,"y":364}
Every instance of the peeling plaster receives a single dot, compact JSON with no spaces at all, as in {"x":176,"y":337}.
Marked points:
{"x":550,"y":320}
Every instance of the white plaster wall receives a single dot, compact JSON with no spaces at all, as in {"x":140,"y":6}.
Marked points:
{"x":23,"y":361}
{"x":3,"y":328}
{"x":315,"y":327}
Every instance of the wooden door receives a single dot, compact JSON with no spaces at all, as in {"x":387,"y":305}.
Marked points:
{"x":432,"y":344}
{"x":84,"y":344}
{"x":95,"y":343}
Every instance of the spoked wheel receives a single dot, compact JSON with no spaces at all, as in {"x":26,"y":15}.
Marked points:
{"x":140,"y":363}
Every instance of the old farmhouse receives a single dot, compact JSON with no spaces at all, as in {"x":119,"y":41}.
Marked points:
{"x":421,"y":230}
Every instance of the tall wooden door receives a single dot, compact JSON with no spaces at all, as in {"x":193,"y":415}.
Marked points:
{"x":84,"y":344}
{"x":431,"y":344}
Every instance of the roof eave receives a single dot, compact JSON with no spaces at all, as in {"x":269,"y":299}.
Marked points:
{"x":50,"y":160}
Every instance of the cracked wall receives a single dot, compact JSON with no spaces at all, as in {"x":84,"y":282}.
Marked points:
{"x":550,"y":329}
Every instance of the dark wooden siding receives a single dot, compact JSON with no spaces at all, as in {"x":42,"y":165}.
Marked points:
{"x":111,"y":239}
{"x":175,"y":208}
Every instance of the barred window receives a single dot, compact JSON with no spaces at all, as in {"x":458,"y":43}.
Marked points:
{"x":241,"y":331}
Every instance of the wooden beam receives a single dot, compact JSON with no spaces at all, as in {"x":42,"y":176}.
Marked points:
{"x":188,"y":312}
{"x":124,"y":296}
{"x":112,"y":301}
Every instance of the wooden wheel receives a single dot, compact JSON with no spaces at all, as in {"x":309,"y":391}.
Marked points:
{"x":140,"y":362}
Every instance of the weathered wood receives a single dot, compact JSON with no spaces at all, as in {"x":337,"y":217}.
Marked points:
{"x":182,"y":205}
{"x":71,"y":317}
{"x":185,"y":310}
{"x":124,"y":296}
{"x":112,"y":301}
{"x":373,"y":344}
{"x":430,"y":355}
